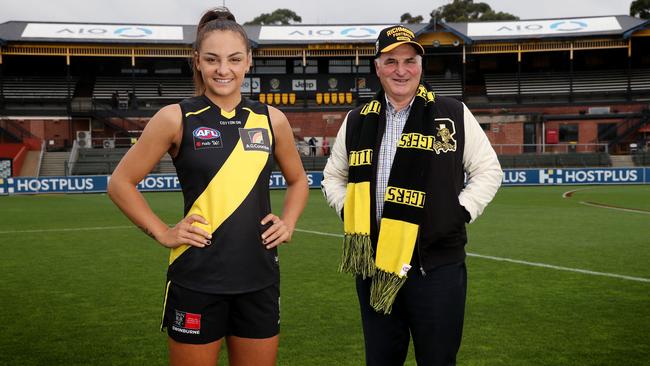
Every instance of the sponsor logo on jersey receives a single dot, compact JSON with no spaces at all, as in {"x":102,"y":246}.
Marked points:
{"x":188,"y":323}
{"x":206,"y":138}
{"x":255,"y":139}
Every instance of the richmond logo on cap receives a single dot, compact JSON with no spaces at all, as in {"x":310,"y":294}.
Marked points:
{"x":392,"y":37}
{"x":401,"y":33}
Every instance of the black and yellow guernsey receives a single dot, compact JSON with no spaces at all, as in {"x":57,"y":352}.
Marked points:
{"x":224,"y":166}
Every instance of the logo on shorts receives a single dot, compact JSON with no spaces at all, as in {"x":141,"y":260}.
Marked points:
{"x":255,"y":139}
{"x":206,"y":138}
{"x":188,"y":323}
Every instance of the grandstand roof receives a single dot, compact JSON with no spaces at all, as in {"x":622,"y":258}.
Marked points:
{"x":305,"y":40}
{"x":620,"y":25}
{"x":20,"y":31}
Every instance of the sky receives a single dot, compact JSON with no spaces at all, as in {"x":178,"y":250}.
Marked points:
{"x":311,"y":11}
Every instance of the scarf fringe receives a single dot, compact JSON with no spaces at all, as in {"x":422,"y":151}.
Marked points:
{"x":383,"y":290}
{"x":358,"y":256}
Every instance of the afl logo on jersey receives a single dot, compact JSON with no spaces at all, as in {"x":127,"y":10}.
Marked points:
{"x":206,"y":138}
{"x":205,"y":133}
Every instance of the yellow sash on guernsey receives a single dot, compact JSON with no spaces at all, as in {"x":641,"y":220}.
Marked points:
{"x":230,"y":186}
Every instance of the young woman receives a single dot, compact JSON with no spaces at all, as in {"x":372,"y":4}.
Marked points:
{"x":223,"y":276}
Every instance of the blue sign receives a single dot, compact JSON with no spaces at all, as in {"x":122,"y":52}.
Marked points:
{"x":169,"y":182}
{"x":572,"y":176}
{"x":159,"y":182}
{"x":70,"y":184}
{"x":277,"y":181}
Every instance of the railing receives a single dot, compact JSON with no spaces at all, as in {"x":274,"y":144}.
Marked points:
{"x":15,"y":129}
{"x":40,"y":159}
{"x":74,"y":153}
{"x":105,"y":114}
{"x":630,"y":126}
{"x":549,"y":148}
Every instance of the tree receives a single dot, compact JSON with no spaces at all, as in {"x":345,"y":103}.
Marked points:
{"x":640,"y":9}
{"x":468,"y":10}
{"x":277,"y":17}
{"x":408,"y":18}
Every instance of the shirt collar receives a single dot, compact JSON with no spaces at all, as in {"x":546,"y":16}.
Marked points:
{"x":391,"y":108}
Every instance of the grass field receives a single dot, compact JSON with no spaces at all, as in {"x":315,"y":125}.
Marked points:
{"x":80,"y":286}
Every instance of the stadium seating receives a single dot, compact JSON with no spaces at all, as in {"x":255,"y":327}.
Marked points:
{"x":50,"y":87}
{"x":641,"y":159}
{"x":145,"y":87}
{"x":640,"y":80}
{"x":445,"y":86}
{"x":531,"y":83}
{"x":100,"y":161}
{"x":313,"y":163}
{"x":97,"y":161}
{"x":603,"y":82}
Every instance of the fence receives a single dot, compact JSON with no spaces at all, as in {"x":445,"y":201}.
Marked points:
{"x":505,"y":149}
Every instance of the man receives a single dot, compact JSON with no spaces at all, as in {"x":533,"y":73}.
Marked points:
{"x":312,"y":146}
{"x":396,"y":175}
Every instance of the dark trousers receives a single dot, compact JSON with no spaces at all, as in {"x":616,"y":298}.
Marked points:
{"x":430,"y":308}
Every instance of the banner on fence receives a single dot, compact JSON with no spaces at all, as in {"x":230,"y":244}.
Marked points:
{"x":571,"y":176}
{"x":169,"y":182}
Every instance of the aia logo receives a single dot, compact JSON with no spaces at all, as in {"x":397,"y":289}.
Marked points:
{"x":206,"y":133}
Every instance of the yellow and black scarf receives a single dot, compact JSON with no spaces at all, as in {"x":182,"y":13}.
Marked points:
{"x":403,"y":203}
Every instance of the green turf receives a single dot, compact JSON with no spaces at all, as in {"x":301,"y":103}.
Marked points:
{"x":93,"y":297}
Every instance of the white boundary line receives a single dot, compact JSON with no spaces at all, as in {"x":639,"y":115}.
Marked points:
{"x":543,"y":265}
{"x":568,"y":194}
{"x":594,"y":204}
{"x":319,"y":233}
{"x":534,"y":264}
{"x":67,"y":229}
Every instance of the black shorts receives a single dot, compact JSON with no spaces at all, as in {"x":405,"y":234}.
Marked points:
{"x":200,"y":318}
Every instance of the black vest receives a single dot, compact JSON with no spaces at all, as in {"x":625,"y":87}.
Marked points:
{"x":442,"y":233}
{"x":236,"y":261}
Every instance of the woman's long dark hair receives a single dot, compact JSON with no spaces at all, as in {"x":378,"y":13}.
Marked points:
{"x":215,"y":19}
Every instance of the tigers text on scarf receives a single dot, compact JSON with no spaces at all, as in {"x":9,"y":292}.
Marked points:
{"x":403,"y":203}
